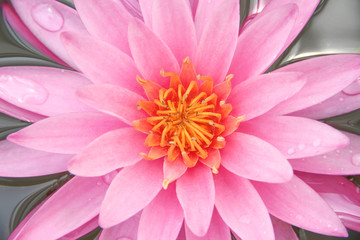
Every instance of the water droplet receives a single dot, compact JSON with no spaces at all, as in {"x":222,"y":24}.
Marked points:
{"x":301,"y":146}
{"x":316,"y":142}
{"x":299,"y":217}
{"x":124,"y":238}
{"x":350,"y":151}
{"x":109,"y":177}
{"x":48,"y":17}
{"x":337,"y":151}
{"x":324,"y":157}
{"x":341,"y":99}
{"x":98,"y":183}
{"x":23,"y":91}
{"x":291,"y":151}
{"x":356,"y":159}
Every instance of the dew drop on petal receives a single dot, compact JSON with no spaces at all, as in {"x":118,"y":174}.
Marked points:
{"x":21,"y":90}
{"x":316,"y":142}
{"x":324,"y":157}
{"x":109,"y":177}
{"x":47,"y":17}
{"x":341,"y":99}
{"x":291,"y":151}
{"x":301,"y":146}
{"x":356,"y":159}
{"x":124,"y":238}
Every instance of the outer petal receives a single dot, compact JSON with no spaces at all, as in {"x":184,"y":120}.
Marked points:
{"x":172,"y":21}
{"x":82,"y":230}
{"x":173,"y":170}
{"x":325,"y":75}
{"x":151,"y":55}
{"x":127,"y":229}
{"x":296,"y":137}
{"x":259,"y":94}
{"x":253,"y":158}
{"x":19,"y":113}
{"x":256,"y":50}
{"x":296,"y":203}
{"x":67,"y":133}
{"x":47,"y":19}
{"x":241,"y":207}
{"x":100,"y":61}
{"x":131,"y":190}
{"x":146,"y":9}
{"x":43,"y":90}
{"x":114,"y":100}
{"x":82,"y":197}
{"x":101,"y":16}
{"x":113,"y":150}
{"x":17,"y":161}
{"x":218,"y":41}
{"x":196,"y":193}
{"x":283,"y":231}
{"x":165,"y":216}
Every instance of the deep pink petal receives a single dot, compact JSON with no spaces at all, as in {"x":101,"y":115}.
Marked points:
{"x":17,"y":161}
{"x":296,"y":203}
{"x":257,"y":49}
{"x":196,"y":193}
{"x":67,"y":133}
{"x":283,"y":230}
{"x":113,"y":100}
{"x":115,"y":149}
{"x":131,"y":190}
{"x":47,"y":19}
{"x":101,"y":16}
{"x":82,"y":198}
{"x":19,"y":113}
{"x":295,"y":137}
{"x":43,"y":90}
{"x":101,"y":62}
{"x":82,"y":230}
{"x":127,"y":229}
{"x":162,"y":218}
{"x":253,"y":158}
{"x":241,"y":207}
{"x":259,"y":94}
{"x":146,"y":9}
{"x":218,"y":41}
{"x":325,"y":76}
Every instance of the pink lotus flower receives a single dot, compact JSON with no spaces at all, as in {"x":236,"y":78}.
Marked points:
{"x":171,"y":127}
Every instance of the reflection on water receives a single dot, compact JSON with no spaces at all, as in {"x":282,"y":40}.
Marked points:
{"x":334,"y":29}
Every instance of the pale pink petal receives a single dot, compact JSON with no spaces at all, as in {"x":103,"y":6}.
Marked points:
{"x":296,"y":203}
{"x":241,"y":207}
{"x":146,"y":9}
{"x":67,"y":133}
{"x":15,"y":22}
{"x":101,"y":16}
{"x":217,"y":230}
{"x":173,"y":170}
{"x":259,"y":45}
{"x":113,"y":100}
{"x":283,"y":230}
{"x":196,"y":193}
{"x":122,"y":231}
{"x":162,"y":218}
{"x":131,"y":190}
{"x":259,"y":94}
{"x":296,"y":137}
{"x":253,"y":158}
{"x":150,"y":53}
{"x":43,"y":90}
{"x":82,"y":198}
{"x":17,"y":161}
{"x":19,"y":113}
{"x":115,"y":149}
{"x":172,"y":22}
{"x":325,"y":75}
{"x":218,"y":41}
{"x":101,"y":62}
{"x":47,"y":19}
{"x":82,"y":230}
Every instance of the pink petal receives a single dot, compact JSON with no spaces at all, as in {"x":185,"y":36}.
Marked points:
{"x":283,"y":231}
{"x":124,"y":230}
{"x":325,"y":75}
{"x":162,"y":218}
{"x":113,"y":100}
{"x":253,"y":158}
{"x":296,"y":137}
{"x":100,"y":16}
{"x":19,"y":113}
{"x":182,"y":235}
{"x":296,"y":203}
{"x":256,"y":50}
{"x":217,"y":230}
{"x":131,"y":190}
{"x":173,"y":170}
{"x":15,"y":22}
{"x":101,"y":62}
{"x":82,"y":230}
{"x":196,"y":193}
{"x":146,"y":9}
{"x":218,"y":41}
{"x":150,"y":53}
{"x":82,"y":198}
{"x":43,"y":90}
{"x":241,"y":207}
{"x":248,"y":98}
{"x":17,"y":161}
{"x":115,"y":149}
{"x":171,"y":21}
{"x":133,"y":7}
{"x":67,"y":133}
{"x":47,"y":19}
